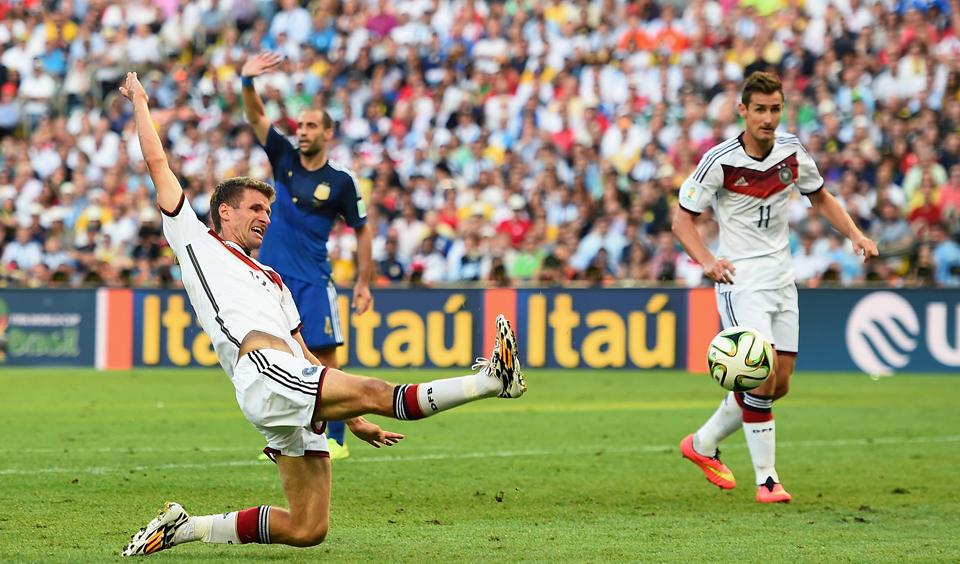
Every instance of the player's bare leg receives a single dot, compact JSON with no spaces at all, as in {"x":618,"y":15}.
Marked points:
{"x":335,"y":429}
{"x":306,"y":483}
{"x":760,"y":429}
{"x":346,"y":396}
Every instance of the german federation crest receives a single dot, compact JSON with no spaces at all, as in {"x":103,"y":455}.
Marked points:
{"x":786,"y":175}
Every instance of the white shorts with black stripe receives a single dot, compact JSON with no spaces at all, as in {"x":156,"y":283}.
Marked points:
{"x":280,"y":395}
{"x":775,"y":313}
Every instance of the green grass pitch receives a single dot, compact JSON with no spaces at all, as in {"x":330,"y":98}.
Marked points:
{"x":584,"y":468}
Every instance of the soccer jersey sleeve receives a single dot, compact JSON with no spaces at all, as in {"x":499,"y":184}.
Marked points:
{"x":277,"y":147}
{"x":808,"y":175}
{"x":181,"y":226}
{"x":698,"y":190}
{"x":353,"y":209}
{"x":290,"y":311}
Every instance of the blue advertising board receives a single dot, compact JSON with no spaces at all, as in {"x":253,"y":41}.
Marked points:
{"x":881,"y":331}
{"x":166,"y":331}
{"x":48,"y":327}
{"x":603,"y":328}
{"x":416,"y":328}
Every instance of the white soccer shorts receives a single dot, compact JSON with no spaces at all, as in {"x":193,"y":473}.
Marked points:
{"x":280,"y":395}
{"x":775,"y":313}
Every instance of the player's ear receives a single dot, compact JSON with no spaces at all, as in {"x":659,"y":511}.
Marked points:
{"x":742,"y":108}
{"x":225,"y":210}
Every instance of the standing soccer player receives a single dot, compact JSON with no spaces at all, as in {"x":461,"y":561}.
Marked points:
{"x":312,"y":193}
{"x":252,"y":320}
{"x":748,"y":180}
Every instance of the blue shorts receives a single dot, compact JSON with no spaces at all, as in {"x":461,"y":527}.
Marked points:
{"x":317,"y":304}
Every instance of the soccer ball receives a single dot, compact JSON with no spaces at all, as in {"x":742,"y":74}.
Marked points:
{"x":740,"y":358}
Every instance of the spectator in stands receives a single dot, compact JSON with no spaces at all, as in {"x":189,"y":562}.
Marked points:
{"x":563,"y":106}
{"x":23,"y":253}
{"x":946,"y":256}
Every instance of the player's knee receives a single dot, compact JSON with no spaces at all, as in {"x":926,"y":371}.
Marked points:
{"x":377,"y":396}
{"x":782,"y":389}
{"x":310,"y":535}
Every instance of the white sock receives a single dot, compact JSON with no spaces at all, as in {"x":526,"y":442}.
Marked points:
{"x":723,"y":423}
{"x":762,"y":442}
{"x":186,"y":533}
{"x":441,"y":395}
{"x":220,"y":529}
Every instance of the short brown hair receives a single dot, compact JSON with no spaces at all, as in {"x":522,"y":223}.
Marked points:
{"x":325,"y":120}
{"x":230,"y":192}
{"x":762,"y":83}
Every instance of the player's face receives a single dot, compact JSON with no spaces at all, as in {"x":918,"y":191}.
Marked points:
{"x":763,"y":115}
{"x":248,"y":221}
{"x":311,"y":134}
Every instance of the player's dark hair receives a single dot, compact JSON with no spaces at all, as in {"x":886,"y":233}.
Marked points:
{"x":230,"y":192}
{"x":761,"y":83}
{"x":325,"y":118}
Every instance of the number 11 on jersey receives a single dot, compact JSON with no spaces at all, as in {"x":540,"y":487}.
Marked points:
{"x":764,"y":221}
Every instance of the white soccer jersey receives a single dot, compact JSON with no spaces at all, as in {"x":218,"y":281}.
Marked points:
{"x":232,"y":293}
{"x":750,"y":198}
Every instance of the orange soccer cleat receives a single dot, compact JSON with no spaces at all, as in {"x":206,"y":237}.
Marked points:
{"x":716,"y":471}
{"x":772,"y":492}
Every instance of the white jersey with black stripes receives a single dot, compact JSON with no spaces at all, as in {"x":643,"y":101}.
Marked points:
{"x":750,"y":197}
{"x":232,"y":293}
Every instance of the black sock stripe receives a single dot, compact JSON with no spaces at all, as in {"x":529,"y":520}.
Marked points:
{"x":398,"y":406}
{"x":757,"y":404}
{"x":263,"y":524}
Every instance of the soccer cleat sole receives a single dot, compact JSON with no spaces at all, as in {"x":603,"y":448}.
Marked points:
{"x":778,"y":495}
{"x":509,"y":371}
{"x":716,"y":472}
{"x":158,"y":534}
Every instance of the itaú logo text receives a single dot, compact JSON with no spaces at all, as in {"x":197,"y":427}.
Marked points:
{"x":883,"y":329}
{"x":881,"y":332}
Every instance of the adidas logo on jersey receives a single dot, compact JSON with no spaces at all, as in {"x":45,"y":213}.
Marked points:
{"x":741,"y":182}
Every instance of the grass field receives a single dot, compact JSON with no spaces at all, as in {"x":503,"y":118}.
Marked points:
{"x":584,"y":468}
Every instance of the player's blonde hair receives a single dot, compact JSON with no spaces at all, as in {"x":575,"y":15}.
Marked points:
{"x":230,"y":192}
{"x":762,"y":83}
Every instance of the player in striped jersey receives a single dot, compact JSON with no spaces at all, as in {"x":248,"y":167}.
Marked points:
{"x":747,"y":180}
{"x":253,"y":323}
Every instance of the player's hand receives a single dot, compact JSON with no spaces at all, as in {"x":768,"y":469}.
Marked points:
{"x":865,"y":248}
{"x":361,"y":298}
{"x":264,"y":61}
{"x":372,"y":433}
{"x":132,"y":87}
{"x":720,"y":270}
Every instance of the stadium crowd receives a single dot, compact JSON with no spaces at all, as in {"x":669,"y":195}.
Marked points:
{"x":500,"y":141}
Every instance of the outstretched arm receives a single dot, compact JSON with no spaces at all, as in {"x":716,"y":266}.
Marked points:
{"x":168,"y":187}
{"x":264,"y":61}
{"x":831,"y":210}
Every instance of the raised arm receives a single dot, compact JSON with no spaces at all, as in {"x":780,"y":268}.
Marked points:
{"x":265,"y":61}
{"x":168,"y":187}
